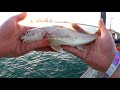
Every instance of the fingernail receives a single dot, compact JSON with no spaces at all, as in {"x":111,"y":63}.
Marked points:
{"x":74,"y":25}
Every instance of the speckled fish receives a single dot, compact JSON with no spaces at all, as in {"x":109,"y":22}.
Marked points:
{"x":58,"y":36}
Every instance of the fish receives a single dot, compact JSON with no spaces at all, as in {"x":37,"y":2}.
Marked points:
{"x":58,"y":36}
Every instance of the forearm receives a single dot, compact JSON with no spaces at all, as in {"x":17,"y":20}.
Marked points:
{"x":116,"y":73}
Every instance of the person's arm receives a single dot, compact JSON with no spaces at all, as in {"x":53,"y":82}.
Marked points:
{"x":116,"y":73}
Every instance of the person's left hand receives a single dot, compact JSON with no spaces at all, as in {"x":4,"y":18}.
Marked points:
{"x":10,"y":43}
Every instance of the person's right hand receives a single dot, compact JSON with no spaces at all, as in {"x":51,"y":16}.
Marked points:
{"x":98,"y":54}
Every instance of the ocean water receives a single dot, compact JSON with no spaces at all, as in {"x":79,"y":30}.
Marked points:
{"x":42,"y":65}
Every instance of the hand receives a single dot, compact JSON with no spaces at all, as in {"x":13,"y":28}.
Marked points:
{"x":10,"y":44}
{"x":98,"y":54}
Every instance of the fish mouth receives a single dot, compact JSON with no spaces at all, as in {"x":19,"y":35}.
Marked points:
{"x":22,"y":37}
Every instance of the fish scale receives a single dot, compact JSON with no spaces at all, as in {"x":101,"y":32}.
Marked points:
{"x":59,"y":36}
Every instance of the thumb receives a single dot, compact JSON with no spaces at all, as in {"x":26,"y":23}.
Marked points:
{"x":102,"y":27}
{"x":36,"y":45}
{"x":21,"y":16}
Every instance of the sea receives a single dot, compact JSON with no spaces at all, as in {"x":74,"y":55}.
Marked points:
{"x":42,"y":65}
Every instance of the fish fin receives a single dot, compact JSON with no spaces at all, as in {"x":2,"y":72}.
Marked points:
{"x":56,"y":41}
{"x":58,"y":49}
{"x":80,"y":48}
{"x":55,"y":44}
{"x":58,"y":26}
{"x":53,"y":41}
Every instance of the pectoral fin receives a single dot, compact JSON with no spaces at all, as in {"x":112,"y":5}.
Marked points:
{"x":55,"y":44}
{"x":54,"y":41}
{"x":58,"y":49}
{"x":80,"y":48}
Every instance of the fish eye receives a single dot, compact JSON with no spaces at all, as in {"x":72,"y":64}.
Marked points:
{"x":27,"y":31}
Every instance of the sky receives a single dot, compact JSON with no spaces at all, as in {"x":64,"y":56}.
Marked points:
{"x":91,"y":18}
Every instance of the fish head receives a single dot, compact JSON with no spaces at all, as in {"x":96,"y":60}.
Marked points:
{"x":33,"y":35}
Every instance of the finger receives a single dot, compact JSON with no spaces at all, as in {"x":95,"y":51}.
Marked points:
{"x":34,"y":45}
{"x":20,"y":16}
{"x":45,"y":49}
{"x":74,"y":51}
{"x":102,"y":27}
{"x":78,"y":28}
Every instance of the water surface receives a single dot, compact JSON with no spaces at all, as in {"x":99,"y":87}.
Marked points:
{"x":42,"y":65}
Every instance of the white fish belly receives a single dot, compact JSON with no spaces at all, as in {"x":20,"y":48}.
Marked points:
{"x":71,"y":41}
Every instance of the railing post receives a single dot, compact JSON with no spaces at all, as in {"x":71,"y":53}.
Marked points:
{"x":103,"y":16}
